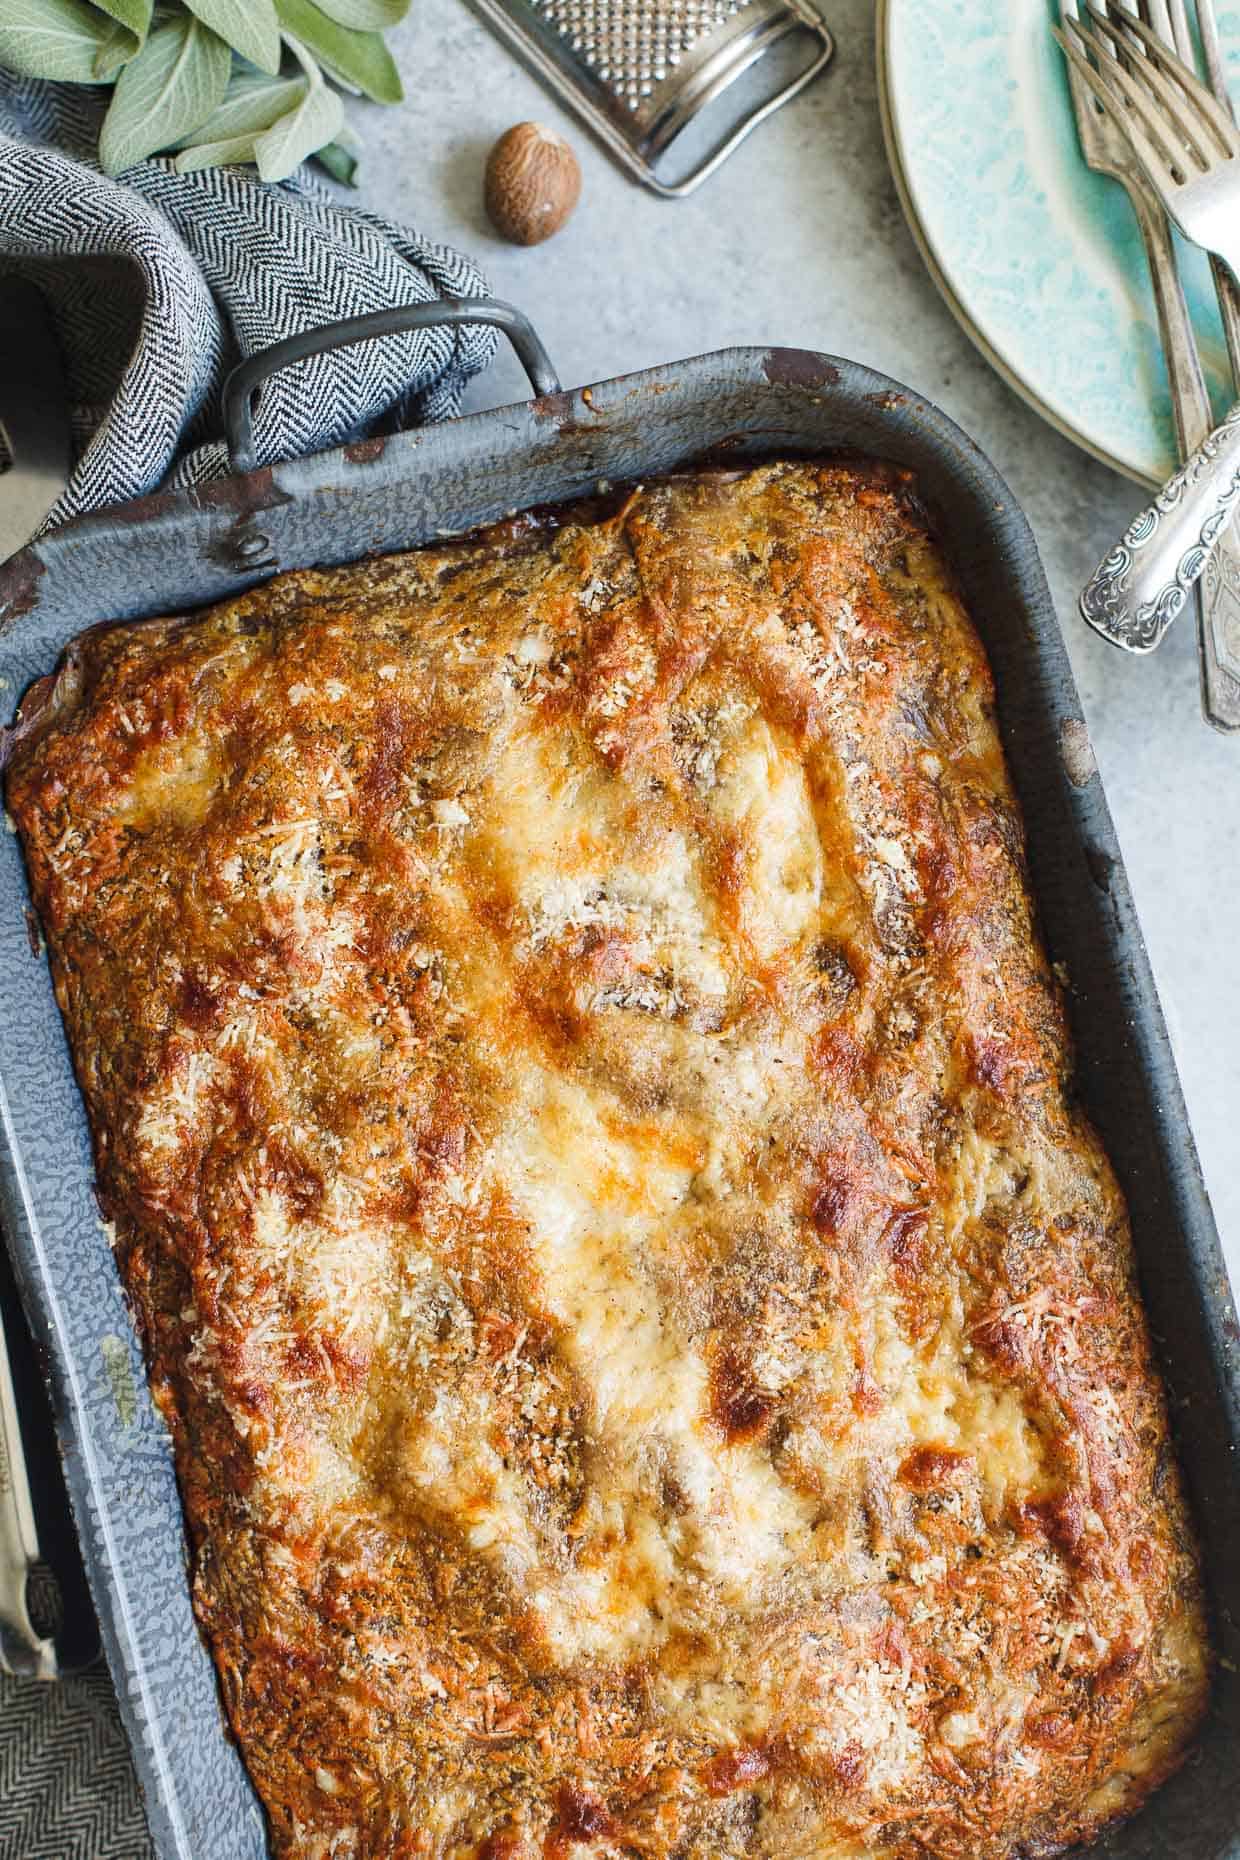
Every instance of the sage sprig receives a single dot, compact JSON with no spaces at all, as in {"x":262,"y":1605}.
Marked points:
{"x":214,"y":82}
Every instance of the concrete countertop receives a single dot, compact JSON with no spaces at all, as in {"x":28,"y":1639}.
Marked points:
{"x":799,"y":240}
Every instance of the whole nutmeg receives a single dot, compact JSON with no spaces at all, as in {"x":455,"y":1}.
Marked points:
{"x":532,"y":183}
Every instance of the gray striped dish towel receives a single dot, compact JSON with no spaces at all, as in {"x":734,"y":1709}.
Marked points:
{"x":160,"y":282}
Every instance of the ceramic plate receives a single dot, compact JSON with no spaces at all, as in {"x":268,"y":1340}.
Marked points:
{"x":1039,"y":258}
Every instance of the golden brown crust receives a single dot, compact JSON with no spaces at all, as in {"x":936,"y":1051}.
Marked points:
{"x":650,"y":1342}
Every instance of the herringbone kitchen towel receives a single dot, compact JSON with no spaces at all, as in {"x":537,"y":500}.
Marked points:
{"x":161,"y":282}
{"x":158,"y":286}
{"x":67,"y":1787}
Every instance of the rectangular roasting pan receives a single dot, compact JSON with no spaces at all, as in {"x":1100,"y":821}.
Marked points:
{"x":172,"y":552}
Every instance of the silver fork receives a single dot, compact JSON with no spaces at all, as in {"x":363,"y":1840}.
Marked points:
{"x":1212,"y":51}
{"x":1186,"y":145}
{"x":1218,"y":593}
{"x":1107,"y":151}
{"x":1221,"y":580}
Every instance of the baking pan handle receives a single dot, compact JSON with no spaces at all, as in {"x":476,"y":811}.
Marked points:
{"x":248,"y":375}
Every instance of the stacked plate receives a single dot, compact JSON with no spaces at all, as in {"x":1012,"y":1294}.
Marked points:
{"x":1038,"y":258}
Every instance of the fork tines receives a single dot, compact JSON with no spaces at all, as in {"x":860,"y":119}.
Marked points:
{"x":1164,"y":107}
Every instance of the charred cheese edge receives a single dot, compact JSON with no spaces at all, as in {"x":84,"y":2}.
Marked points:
{"x":649,"y":1339}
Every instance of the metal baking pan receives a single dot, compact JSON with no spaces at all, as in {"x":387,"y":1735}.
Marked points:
{"x":173,"y":552}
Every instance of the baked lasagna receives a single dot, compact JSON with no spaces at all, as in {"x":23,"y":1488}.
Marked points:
{"x":649,"y":1339}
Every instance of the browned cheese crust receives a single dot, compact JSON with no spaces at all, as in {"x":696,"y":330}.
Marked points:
{"x":650,"y":1341}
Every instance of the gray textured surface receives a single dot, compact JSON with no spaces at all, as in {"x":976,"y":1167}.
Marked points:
{"x":800,"y":241}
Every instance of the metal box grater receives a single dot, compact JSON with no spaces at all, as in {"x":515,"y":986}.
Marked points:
{"x":639,"y":71}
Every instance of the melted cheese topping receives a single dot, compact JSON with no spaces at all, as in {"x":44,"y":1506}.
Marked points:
{"x":650,"y":1345}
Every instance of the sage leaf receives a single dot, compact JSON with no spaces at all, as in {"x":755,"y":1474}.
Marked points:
{"x":317,"y":119}
{"x":52,"y":39}
{"x":249,"y":107}
{"x":117,"y":48}
{"x":366,"y":15}
{"x":359,"y":58}
{"x":175,"y":82}
{"x":134,"y":15}
{"x":340,"y":162}
{"x":223,"y":154}
{"x":249,"y":26}
{"x":131,"y":21}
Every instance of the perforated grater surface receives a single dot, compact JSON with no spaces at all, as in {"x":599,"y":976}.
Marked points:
{"x":639,"y":71}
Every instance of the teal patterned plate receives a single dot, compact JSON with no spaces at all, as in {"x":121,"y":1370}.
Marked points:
{"x":1039,"y":258}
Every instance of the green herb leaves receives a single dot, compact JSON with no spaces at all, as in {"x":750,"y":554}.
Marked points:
{"x":131,"y":21}
{"x":251,"y":104}
{"x":52,"y":38}
{"x":366,"y":15}
{"x":216,"y":81}
{"x":317,"y":120}
{"x":172,"y":86}
{"x":249,"y":26}
{"x":359,"y":59}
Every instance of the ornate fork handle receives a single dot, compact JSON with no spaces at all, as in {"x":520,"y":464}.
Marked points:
{"x":1221,"y":594}
{"x":1143,"y":583}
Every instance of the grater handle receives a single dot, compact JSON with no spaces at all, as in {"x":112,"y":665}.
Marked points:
{"x":639,"y":76}
{"x":248,"y":375}
{"x":712,"y":81}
